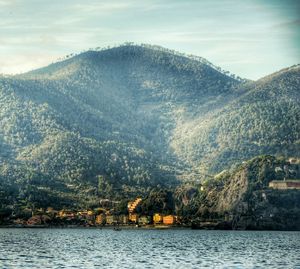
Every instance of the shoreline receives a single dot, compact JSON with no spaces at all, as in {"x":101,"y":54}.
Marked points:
{"x":127,"y":227}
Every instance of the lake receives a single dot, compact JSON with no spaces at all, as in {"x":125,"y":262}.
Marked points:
{"x":140,"y":248}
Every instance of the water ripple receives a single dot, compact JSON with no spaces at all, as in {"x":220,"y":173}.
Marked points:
{"x":92,"y":248}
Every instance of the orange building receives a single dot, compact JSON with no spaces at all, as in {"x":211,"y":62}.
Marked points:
{"x":169,"y":220}
{"x":100,"y":219}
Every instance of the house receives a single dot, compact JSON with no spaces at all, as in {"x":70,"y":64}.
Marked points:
{"x":157,"y":218}
{"x":35,"y":220}
{"x":66,"y":214}
{"x":86,"y":214}
{"x":20,"y":222}
{"x":100,"y":219}
{"x":123,"y":219}
{"x":133,"y":205}
{"x":288,"y":184}
{"x":169,"y":220}
{"x":133,"y":218}
{"x":38,"y":220}
{"x":144,"y":220}
{"x":111,"y":219}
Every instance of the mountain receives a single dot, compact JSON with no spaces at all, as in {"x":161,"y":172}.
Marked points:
{"x":262,"y":119}
{"x":116,"y":122}
{"x":241,"y":198}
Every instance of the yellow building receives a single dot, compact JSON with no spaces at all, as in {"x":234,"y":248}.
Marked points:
{"x":133,"y":205}
{"x":133,"y":218}
{"x":157,"y":218}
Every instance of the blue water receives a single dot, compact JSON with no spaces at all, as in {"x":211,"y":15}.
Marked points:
{"x":94,"y":248}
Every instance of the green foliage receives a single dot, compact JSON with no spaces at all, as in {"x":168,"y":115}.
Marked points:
{"x":262,"y":119}
{"x":158,"y":201}
{"x":121,"y":121}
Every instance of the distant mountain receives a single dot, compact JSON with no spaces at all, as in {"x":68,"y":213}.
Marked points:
{"x":125,"y":119}
{"x":264,"y":118}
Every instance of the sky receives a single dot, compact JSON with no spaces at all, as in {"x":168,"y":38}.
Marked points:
{"x":250,"y":38}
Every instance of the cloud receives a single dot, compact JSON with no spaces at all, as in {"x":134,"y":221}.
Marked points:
{"x":6,"y":3}
{"x":102,"y":7}
{"x":228,"y":32}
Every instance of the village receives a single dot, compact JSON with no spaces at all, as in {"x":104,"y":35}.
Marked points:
{"x":108,"y":213}
{"x":98,"y":217}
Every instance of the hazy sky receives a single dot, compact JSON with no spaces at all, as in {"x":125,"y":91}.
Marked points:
{"x":248,"y":38}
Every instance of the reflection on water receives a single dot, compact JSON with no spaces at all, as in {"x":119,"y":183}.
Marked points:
{"x":94,"y":248}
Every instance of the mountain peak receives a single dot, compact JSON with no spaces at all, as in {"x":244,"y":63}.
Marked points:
{"x":130,"y":52}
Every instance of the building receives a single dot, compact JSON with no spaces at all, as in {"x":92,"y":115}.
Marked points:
{"x":288,"y":184}
{"x":169,"y":220}
{"x":51,"y":212}
{"x":38,"y":220}
{"x":123,"y":219}
{"x":20,"y":222}
{"x":133,"y":205}
{"x":144,"y":220}
{"x":86,"y":215}
{"x":157,"y":218}
{"x":111,"y":219}
{"x":66,"y":214}
{"x":100,"y":219}
{"x":133,"y":218}
{"x":35,"y":220}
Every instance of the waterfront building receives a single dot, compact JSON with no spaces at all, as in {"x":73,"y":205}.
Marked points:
{"x":123,"y":219}
{"x":66,"y":214}
{"x":133,"y":218}
{"x":100,"y":219}
{"x":111,"y":219}
{"x":169,"y":220}
{"x":157,"y":218}
{"x":288,"y":184}
{"x":144,"y":220}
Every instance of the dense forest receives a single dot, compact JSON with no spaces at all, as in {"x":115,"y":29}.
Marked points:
{"x":128,"y":120}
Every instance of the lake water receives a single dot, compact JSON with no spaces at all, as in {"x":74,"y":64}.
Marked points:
{"x":95,"y":248}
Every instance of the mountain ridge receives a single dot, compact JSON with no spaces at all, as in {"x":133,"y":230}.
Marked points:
{"x":136,"y":117}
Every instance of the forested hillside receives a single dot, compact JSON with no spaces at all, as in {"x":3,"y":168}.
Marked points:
{"x":265,"y":119}
{"x":119,"y":121}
